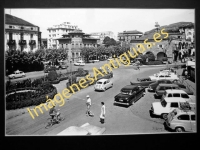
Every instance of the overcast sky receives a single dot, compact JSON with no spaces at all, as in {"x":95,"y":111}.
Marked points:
{"x":99,"y":20}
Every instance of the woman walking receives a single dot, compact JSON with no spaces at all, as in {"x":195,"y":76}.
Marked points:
{"x":103,"y":112}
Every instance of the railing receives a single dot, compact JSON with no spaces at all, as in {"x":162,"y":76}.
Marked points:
{"x":11,"y":42}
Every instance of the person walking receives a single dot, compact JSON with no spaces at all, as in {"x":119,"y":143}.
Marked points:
{"x":103,"y":112}
{"x":88,"y":104}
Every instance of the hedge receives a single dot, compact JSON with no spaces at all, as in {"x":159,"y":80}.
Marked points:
{"x":30,"y":102}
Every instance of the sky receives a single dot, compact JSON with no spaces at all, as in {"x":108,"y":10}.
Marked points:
{"x":100,"y":20}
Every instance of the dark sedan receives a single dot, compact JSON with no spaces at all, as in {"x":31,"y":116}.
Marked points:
{"x":129,"y":94}
{"x":153,"y":86}
{"x":145,"y":83}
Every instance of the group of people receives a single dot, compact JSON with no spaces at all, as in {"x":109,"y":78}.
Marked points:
{"x":55,"y":114}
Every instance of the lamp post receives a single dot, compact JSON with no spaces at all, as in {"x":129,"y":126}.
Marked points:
{"x":157,"y":26}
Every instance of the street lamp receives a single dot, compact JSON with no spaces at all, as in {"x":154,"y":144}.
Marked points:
{"x":157,"y":26}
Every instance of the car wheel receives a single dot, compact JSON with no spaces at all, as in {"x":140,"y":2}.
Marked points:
{"x":179,"y":129}
{"x":164,"y":116}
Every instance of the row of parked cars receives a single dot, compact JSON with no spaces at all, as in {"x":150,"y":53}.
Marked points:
{"x":176,"y":104}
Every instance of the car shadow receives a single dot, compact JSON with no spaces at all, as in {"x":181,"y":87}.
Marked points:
{"x":121,"y":105}
{"x":153,"y":116}
{"x":156,"y":97}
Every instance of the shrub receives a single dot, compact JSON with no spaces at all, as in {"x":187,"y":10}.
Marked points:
{"x":52,"y":75}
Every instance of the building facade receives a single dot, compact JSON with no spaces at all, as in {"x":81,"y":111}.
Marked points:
{"x":127,"y":36}
{"x":57,"y":31}
{"x":44,"y":43}
{"x":21,"y":35}
{"x":101,"y":36}
{"x":74,"y":41}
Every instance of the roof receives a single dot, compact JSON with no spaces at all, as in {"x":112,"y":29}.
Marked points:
{"x":163,"y":84}
{"x":129,"y":87}
{"x":132,"y":32}
{"x":175,"y":91}
{"x":175,"y":99}
{"x":103,"y":80}
{"x":9,"y":19}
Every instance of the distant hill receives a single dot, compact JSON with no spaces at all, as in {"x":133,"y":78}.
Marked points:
{"x":172,"y":27}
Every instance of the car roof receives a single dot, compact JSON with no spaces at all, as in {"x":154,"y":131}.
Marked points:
{"x":175,"y":91}
{"x":175,"y":99}
{"x":129,"y":87}
{"x":102,"y":80}
{"x":181,"y":111}
{"x":168,"y":85}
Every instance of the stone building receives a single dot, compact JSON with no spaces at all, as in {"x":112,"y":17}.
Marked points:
{"x":127,"y":36}
{"x":74,"y":41}
{"x":57,"y":31}
{"x":21,"y":35}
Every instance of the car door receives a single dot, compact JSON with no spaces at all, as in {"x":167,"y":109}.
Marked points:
{"x":184,"y":121}
{"x":193,"y":122}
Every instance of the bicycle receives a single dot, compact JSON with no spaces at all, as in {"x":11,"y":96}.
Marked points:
{"x":52,"y":121}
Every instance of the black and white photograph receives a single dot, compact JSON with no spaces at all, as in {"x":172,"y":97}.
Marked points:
{"x":99,"y":71}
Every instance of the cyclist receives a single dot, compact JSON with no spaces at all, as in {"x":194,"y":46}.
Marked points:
{"x":54,"y":113}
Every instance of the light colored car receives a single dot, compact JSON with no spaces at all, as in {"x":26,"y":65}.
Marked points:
{"x":85,"y":129}
{"x":103,"y":84}
{"x":164,"y":76}
{"x":166,"y":105}
{"x":79,"y":63}
{"x":181,"y":94}
{"x":17,"y":74}
{"x":181,"y":121}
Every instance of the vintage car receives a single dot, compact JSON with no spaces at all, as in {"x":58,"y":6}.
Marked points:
{"x":181,"y":120}
{"x":162,"y":76}
{"x":103,"y":84}
{"x":160,"y":90}
{"x":144,"y":83}
{"x":170,"y":101}
{"x":129,"y":94}
{"x":79,"y":63}
{"x":17,"y":74}
{"x":153,"y":86}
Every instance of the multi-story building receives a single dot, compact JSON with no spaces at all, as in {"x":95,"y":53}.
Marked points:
{"x":102,"y":35}
{"x":74,"y":41}
{"x":21,"y":35}
{"x":57,"y":31}
{"x":127,"y":36}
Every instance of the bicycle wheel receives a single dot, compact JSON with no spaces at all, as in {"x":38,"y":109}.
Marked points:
{"x":49,"y":124}
{"x":61,"y":119}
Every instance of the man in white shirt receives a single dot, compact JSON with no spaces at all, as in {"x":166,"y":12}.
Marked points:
{"x":88,"y":103}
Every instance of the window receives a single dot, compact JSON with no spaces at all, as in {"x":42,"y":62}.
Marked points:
{"x":183,"y":117}
{"x":184,"y":95}
{"x":31,"y":36}
{"x":193,"y":117}
{"x":162,"y":88}
{"x":22,"y":27}
{"x":163,"y":103}
{"x":174,"y":105}
{"x":104,"y":82}
{"x":21,"y":36}
{"x":170,"y":95}
{"x":10,"y":27}
{"x":161,"y":76}
{"x":31,"y":28}
{"x":176,"y":95}
{"x":10,"y":36}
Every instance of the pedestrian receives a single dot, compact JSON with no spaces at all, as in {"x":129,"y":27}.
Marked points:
{"x":103,"y":112}
{"x":88,"y":104}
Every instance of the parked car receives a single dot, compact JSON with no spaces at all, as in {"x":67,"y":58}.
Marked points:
{"x":103,"y":84}
{"x":153,"y":86}
{"x":160,"y":90}
{"x":181,"y":121}
{"x":167,"y":77}
{"x":179,"y":94}
{"x":166,"y":105}
{"x":143,"y":83}
{"x":17,"y":74}
{"x":79,"y":63}
{"x":129,"y":94}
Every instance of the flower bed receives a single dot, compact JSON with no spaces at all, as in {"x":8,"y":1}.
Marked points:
{"x":28,"y":98}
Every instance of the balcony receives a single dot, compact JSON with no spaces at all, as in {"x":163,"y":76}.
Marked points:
{"x":11,"y":42}
{"x":22,"y":42}
{"x":32,"y":42}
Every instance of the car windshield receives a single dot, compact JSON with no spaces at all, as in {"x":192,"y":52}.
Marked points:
{"x":99,"y":82}
{"x":163,"y":103}
{"x":184,"y":95}
{"x":126,"y":92}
